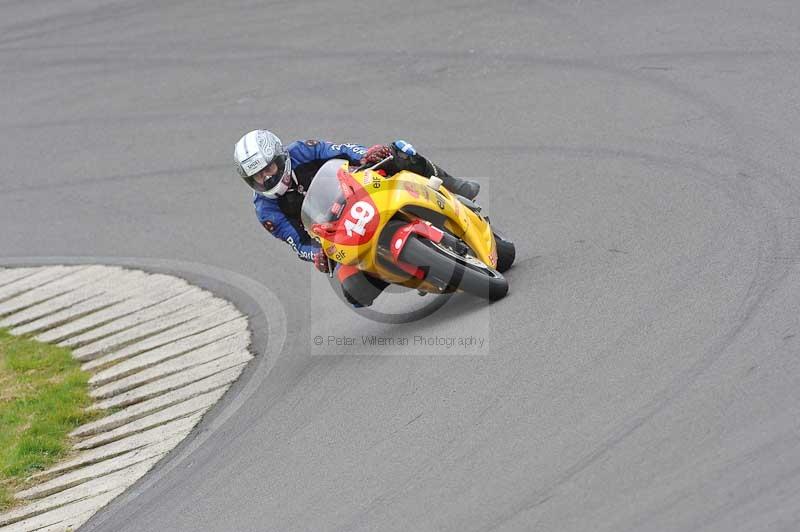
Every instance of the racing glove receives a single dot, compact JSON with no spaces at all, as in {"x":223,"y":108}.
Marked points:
{"x":321,"y":262}
{"x":376,"y":154}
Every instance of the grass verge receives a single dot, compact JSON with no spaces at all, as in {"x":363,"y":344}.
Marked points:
{"x":43,"y":395}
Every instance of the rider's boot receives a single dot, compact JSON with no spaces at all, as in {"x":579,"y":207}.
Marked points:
{"x":420,"y":165}
{"x":462,"y":187}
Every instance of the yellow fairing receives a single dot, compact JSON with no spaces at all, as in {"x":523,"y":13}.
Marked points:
{"x":409,"y":194}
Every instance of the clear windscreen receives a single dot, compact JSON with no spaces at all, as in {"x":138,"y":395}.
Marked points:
{"x":324,"y":199}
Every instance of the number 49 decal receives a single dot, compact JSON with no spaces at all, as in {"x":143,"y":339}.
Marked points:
{"x":362,"y":212}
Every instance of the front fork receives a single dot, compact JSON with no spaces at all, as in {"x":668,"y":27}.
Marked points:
{"x":425,"y":230}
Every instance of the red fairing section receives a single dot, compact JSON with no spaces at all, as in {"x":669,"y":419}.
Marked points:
{"x":344,"y":271}
{"x":400,"y":238}
{"x":360,"y":217}
{"x":358,"y":220}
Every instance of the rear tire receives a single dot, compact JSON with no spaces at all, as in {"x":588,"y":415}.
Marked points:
{"x":506,"y":253}
{"x":452,"y":271}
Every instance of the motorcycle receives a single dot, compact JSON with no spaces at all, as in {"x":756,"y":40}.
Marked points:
{"x":406,"y":229}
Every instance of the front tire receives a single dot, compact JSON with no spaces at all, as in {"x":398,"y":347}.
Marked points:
{"x":451,"y":271}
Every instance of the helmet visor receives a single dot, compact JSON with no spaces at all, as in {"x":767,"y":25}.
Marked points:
{"x":268,"y":182}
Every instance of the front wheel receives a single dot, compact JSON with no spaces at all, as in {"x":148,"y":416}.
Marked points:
{"x":451,"y":271}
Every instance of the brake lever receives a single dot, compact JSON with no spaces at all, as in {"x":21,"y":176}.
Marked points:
{"x":376,"y":165}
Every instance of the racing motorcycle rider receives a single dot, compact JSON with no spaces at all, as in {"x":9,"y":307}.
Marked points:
{"x":280,"y":176}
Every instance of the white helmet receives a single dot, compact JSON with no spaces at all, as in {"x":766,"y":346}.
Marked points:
{"x":256,"y":151}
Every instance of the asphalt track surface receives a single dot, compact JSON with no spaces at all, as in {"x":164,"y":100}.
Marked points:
{"x":643,"y":373}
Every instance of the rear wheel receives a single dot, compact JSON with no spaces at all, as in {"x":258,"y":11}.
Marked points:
{"x":506,"y":253}
{"x":450,"y":270}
